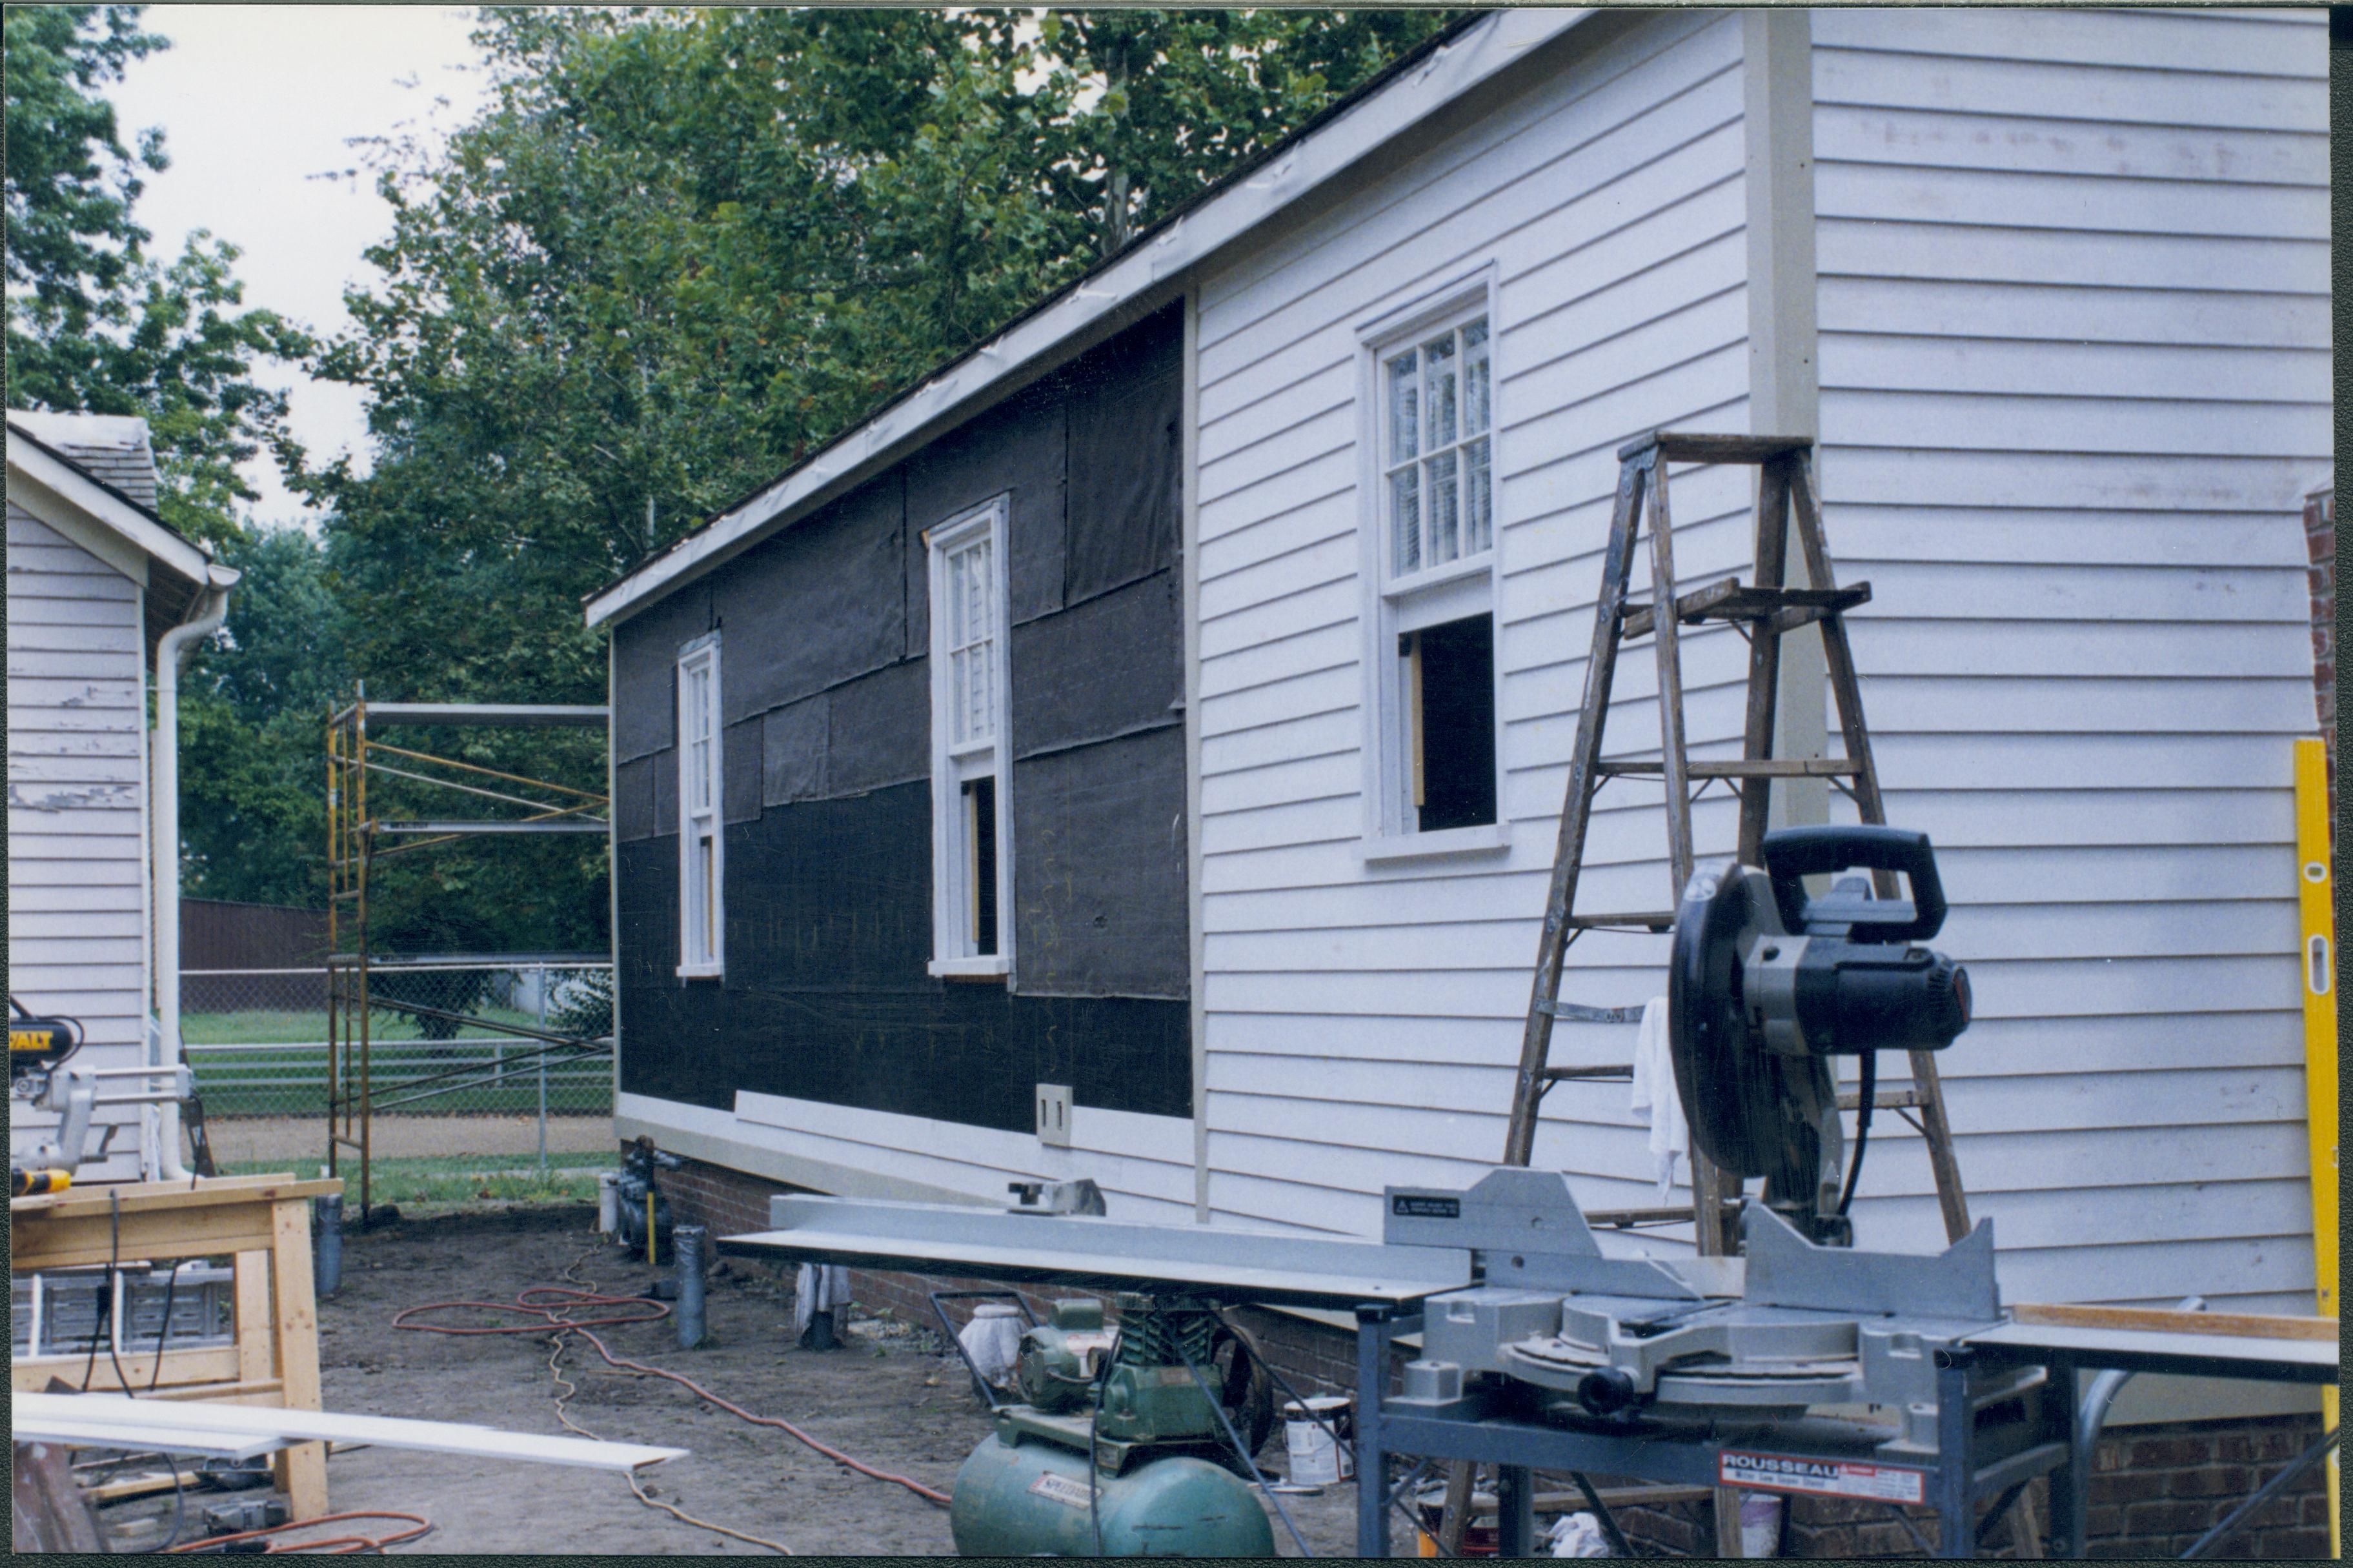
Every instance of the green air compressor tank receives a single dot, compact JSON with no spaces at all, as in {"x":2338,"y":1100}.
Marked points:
{"x":1021,"y":1495}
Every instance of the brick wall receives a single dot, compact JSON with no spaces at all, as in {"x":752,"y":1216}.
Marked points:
{"x":2320,"y":550}
{"x":2154,"y":1489}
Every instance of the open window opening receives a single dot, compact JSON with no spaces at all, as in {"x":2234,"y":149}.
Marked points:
{"x":1430,"y":525}
{"x":1450,"y":672}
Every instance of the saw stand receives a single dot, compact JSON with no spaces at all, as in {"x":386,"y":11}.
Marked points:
{"x":1766,"y":610}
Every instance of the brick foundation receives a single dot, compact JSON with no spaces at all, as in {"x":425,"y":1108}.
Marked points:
{"x":2154,"y":1489}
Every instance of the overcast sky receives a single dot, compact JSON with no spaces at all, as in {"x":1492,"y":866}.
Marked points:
{"x":256,"y":102}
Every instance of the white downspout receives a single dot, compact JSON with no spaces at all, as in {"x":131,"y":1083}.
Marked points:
{"x":171,"y":650}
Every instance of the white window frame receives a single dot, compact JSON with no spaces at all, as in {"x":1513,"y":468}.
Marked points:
{"x":702,"y":812}
{"x":955,"y":762}
{"x":1395,"y":604}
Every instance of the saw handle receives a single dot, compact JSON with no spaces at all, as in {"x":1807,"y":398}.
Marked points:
{"x":1795,"y":853}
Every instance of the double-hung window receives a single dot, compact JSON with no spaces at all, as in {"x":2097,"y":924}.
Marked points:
{"x":1431,"y":768}
{"x":702,"y":851}
{"x":972,"y":872}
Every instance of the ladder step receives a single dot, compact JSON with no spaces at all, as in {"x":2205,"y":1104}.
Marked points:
{"x":1679,"y":447}
{"x":1766,"y":768}
{"x":1730,"y":600}
{"x":1622,"y":1071}
{"x":1646,"y":920}
{"x":1886,"y":1099}
{"x":1578,"y":1013}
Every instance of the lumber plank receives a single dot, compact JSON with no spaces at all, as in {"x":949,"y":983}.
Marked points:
{"x":254,"y":1359}
{"x":211,"y":1363}
{"x":152,"y":1237}
{"x":302,"y":1470}
{"x":78,"y":1202}
{"x":2159,"y":1319}
{"x":50,"y":1513}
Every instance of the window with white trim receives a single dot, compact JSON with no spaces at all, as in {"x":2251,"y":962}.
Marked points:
{"x":701,"y":849}
{"x":1430,"y":528}
{"x":971,"y":871}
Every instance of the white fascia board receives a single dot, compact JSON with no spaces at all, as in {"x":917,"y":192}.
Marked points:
{"x":1451,"y":71}
{"x":78,"y":489}
{"x":162,"y":1420}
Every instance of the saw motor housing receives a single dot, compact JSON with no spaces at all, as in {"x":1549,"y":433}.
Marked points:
{"x":1767,"y":985}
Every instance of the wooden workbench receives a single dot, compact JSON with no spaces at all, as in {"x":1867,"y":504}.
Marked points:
{"x":264,"y":1224}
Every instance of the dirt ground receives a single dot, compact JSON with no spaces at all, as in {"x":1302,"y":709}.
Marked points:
{"x":301,"y":1141}
{"x":893,"y":1402}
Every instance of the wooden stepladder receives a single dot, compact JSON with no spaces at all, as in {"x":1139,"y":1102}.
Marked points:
{"x":1766,"y":611}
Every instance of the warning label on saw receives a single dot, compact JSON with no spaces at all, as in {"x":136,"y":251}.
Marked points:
{"x":1820,"y":1478}
{"x":1061,"y":1489}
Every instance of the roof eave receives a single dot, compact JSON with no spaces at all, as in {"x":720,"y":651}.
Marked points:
{"x":107,"y":506}
{"x":1157,"y":261}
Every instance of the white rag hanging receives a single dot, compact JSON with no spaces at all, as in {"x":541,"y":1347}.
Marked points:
{"x":1654,"y":1097}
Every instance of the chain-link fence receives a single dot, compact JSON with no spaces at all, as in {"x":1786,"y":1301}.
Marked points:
{"x":456,"y":1102}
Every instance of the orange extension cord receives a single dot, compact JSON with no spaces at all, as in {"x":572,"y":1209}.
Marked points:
{"x":551,"y":1319}
{"x":333,"y":1545}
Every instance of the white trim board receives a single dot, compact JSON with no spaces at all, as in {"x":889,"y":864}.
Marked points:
{"x":1144,"y":1164}
{"x":32,"y":1415}
{"x":1458,"y":68}
{"x":60,"y":479}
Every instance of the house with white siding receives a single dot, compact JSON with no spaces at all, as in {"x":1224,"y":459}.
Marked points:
{"x":103,"y":595}
{"x":2049,"y":288}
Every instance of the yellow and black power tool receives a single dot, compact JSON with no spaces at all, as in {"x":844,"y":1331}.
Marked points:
{"x":37,"y":1048}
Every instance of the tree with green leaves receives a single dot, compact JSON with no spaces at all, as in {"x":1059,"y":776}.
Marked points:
{"x":676,"y":253}
{"x":681,"y":250}
{"x":95,"y":323}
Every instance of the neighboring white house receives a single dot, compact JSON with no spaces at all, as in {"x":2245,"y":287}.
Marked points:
{"x":99,"y":588}
{"x":2051,"y":286}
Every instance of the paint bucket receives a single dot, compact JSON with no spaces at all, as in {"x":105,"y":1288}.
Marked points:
{"x":1479,"y":1536}
{"x":1317,"y":1458}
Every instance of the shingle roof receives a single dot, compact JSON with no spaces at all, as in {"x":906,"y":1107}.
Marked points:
{"x":112,"y":448}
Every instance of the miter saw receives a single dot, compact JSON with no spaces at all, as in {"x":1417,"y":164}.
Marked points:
{"x":1767,"y":985}
{"x":40,"y":1070}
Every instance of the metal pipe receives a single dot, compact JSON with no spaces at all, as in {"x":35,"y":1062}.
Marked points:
{"x":171,"y":650}
{"x":686,"y":1253}
{"x":2091,"y":1416}
{"x":329,"y":1206}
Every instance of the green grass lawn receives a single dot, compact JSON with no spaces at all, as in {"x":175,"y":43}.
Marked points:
{"x":454,"y":1180}
{"x":306,"y":1025}
{"x":293,"y":1082}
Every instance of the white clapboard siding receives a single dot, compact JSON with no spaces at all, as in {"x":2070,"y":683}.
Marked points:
{"x":1361,"y":1020}
{"x":77,"y":800}
{"x":2073,"y":389}
{"x":2075,"y":381}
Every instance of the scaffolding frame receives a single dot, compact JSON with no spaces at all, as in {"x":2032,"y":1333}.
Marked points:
{"x":353,"y":834}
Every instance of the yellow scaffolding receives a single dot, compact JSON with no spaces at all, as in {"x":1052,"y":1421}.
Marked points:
{"x":353,"y":832}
